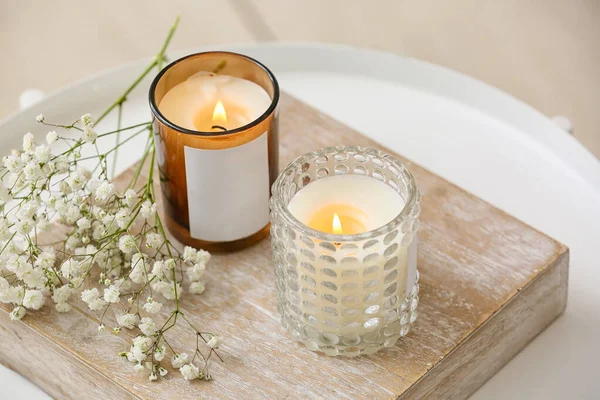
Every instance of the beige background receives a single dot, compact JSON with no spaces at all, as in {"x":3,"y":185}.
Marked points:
{"x":545,"y":52}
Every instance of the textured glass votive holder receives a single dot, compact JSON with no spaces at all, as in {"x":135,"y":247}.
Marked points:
{"x":346,"y":294}
{"x":216,"y":185}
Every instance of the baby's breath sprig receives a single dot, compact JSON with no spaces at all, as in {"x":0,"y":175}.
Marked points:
{"x":113,"y":250}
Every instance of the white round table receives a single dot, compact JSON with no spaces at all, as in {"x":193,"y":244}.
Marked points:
{"x":466,"y":131}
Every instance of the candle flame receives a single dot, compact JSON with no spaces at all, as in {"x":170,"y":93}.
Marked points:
{"x":336,"y":224}
{"x":219,"y":115}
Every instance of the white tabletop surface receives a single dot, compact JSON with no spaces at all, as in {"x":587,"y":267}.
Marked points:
{"x":473,"y":135}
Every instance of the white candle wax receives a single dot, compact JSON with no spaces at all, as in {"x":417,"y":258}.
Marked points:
{"x":349,"y":295}
{"x":371,"y":202}
{"x":206,"y":100}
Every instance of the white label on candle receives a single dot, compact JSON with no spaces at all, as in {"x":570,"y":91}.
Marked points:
{"x":412,"y":265}
{"x":228,"y":190}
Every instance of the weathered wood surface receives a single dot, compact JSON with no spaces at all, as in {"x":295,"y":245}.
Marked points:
{"x":489,"y":285}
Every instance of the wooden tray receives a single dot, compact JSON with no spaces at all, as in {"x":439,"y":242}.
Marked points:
{"x":489,"y":285}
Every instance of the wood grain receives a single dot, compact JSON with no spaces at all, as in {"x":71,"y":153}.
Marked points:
{"x":489,"y":285}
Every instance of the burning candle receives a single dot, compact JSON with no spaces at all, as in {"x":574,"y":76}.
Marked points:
{"x":346,"y":204}
{"x":217,"y":149}
{"x":343,"y":232}
{"x":210,"y":102}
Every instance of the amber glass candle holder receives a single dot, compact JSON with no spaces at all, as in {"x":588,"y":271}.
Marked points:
{"x":216,"y":185}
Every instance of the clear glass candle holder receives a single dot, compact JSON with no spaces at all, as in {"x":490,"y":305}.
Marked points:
{"x":342,"y":294}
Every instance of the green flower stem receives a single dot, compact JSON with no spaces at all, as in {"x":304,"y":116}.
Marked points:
{"x":103,"y":155}
{"x":118,"y":138}
{"x":138,"y":170}
{"x":125,"y":129}
{"x":157,"y":62}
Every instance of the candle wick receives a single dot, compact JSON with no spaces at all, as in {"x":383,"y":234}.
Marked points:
{"x":218,"y":127}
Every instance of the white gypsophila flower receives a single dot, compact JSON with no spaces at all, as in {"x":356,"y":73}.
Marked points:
{"x":128,"y":320}
{"x":13,"y":164}
{"x":24,"y":226}
{"x":63,"y":307}
{"x":202,"y":257}
{"x":101,"y":328}
{"x":13,"y":294}
{"x":39,"y":118}
{"x":215,"y":341}
{"x":76,"y":180}
{"x":72,"y":242}
{"x":197,"y":287}
{"x":84,"y":223}
{"x":70,"y":268}
{"x":42,"y":153}
{"x":147,"y":326}
{"x":138,"y":354}
{"x":5,"y":291}
{"x":148,"y":210}
{"x":26,"y":156}
{"x":98,"y":212}
{"x":111,"y":294}
{"x":61,"y":164}
{"x":62,"y":294}
{"x":170,"y":263}
{"x":4,"y":193}
{"x":195,"y":272}
{"x":152,"y":376}
{"x":154,"y":240}
{"x":152,"y":307}
{"x":51,"y":137}
{"x":159,"y":269}
{"x":159,"y":353}
{"x":92,"y":298}
{"x":35,"y":278}
{"x":162,"y":371}
{"x":138,"y":271}
{"x":167,"y":290}
{"x":190,"y":372}
{"x":28,"y":210}
{"x":90,"y":295}
{"x":57,"y":201}
{"x":32,"y":171}
{"x":179,"y":360}
{"x":89,"y":134}
{"x":17,"y":313}
{"x":97,"y":305}
{"x":189,"y":254}
{"x":19,"y":264}
{"x":131,"y":198}
{"x":122,"y":218}
{"x":87,"y":120}
{"x":94,"y":184}
{"x":28,"y":142}
{"x":101,"y":258}
{"x":4,"y":285}
{"x":104,"y":191}
{"x":14,"y":262}
{"x":127,"y":244}
{"x":139,"y":368}
{"x":110,"y":225}
{"x":46,"y":259}
{"x":141,"y":346}
{"x":4,"y":229}
{"x":33,"y":299}
{"x":159,"y":285}
{"x":42,"y":223}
